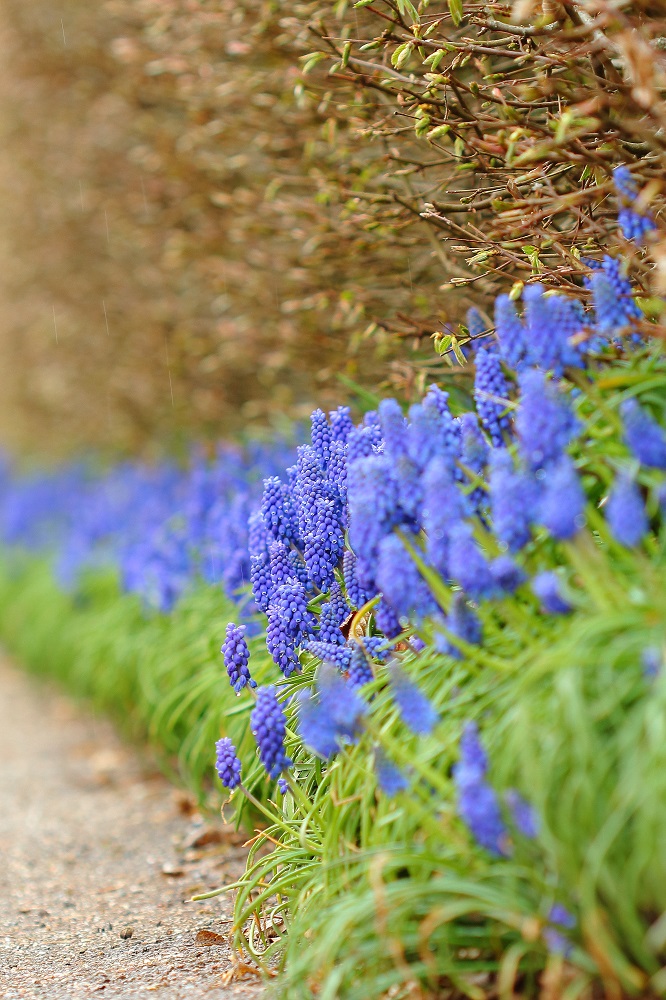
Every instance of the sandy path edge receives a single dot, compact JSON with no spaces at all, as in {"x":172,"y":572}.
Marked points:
{"x":87,"y":836}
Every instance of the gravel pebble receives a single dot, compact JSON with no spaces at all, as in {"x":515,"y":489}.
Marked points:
{"x":87,"y":832}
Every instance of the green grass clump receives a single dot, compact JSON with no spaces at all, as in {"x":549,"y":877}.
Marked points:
{"x":367,"y":896}
{"x":160,"y":677}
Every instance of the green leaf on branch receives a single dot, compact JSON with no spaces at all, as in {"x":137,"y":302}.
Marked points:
{"x":400,"y":56}
{"x":311,"y":60}
{"x":407,"y":8}
{"x":456,"y":9}
{"x":532,"y":254}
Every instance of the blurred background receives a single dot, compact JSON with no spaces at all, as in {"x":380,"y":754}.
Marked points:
{"x":198,"y":240}
{"x":179,"y":251}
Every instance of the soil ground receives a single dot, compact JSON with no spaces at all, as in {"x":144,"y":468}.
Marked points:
{"x":98,"y":859}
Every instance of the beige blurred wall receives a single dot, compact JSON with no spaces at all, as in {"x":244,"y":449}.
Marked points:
{"x":148,"y":287}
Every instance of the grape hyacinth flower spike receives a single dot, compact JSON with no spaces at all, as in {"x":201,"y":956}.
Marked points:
{"x":491,"y":390}
{"x":625,"y":512}
{"x":390,"y":778}
{"x":643,"y":435}
{"x":415,"y":710}
{"x":477,"y":802}
{"x":559,"y":917}
{"x":634,"y":225}
{"x":227,"y":764}
{"x":546,"y":586}
{"x":332,"y":715}
{"x":269,"y":725}
{"x":513,"y":500}
{"x":563,"y":501}
{"x":236,"y":658}
{"x":545,"y":421}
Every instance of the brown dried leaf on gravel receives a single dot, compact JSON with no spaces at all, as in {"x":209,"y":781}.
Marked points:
{"x":209,"y":939}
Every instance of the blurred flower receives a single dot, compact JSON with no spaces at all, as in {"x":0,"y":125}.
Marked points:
{"x":390,"y":778}
{"x":562,"y":919}
{"x":477,"y":802}
{"x":643,"y":435}
{"x":546,"y":586}
{"x":563,"y":500}
{"x":625,"y":512}
{"x":510,"y":332}
{"x":545,"y":422}
{"x":513,"y":500}
{"x":524,"y":817}
{"x":415,"y":710}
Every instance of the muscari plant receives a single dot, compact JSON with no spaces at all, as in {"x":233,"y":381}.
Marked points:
{"x":465,"y":612}
{"x":465,"y":724}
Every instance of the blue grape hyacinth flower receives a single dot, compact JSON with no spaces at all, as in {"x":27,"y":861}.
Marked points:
{"x":625,"y":512}
{"x":227,"y":764}
{"x":236,"y":658}
{"x":514,"y":495}
{"x":545,"y":422}
{"x":415,"y":710}
{"x":331,"y":715}
{"x":269,"y":725}
{"x":400,"y":582}
{"x":643,"y":435}
{"x":634,"y":225}
{"x":390,"y":778}
{"x":510,"y":332}
{"x":491,"y":389}
{"x":523,"y":814}
{"x":546,"y":586}
{"x":468,"y":566}
{"x":563,"y":500}
{"x":478,"y":804}
{"x":561,"y":920}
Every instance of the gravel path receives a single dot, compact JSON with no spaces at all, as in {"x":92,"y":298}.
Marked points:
{"x":98,"y":856}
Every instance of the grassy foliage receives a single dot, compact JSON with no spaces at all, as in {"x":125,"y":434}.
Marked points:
{"x":160,"y":677}
{"x":392,"y":893}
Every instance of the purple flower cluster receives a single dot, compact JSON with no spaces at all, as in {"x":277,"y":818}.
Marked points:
{"x":369,"y":513}
{"x":162,"y":526}
{"x":268,"y":723}
{"x":478,"y":804}
{"x":415,"y":710}
{"x":228,"y":765}
{"x":635,"y":225}
{"x":236,"y":658}
{"x":331,"y":715}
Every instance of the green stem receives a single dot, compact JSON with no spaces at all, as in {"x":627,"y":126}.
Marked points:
{"x":584,"y":558}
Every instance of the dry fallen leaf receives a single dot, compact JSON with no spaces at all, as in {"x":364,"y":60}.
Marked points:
{"x":209,"y":939}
